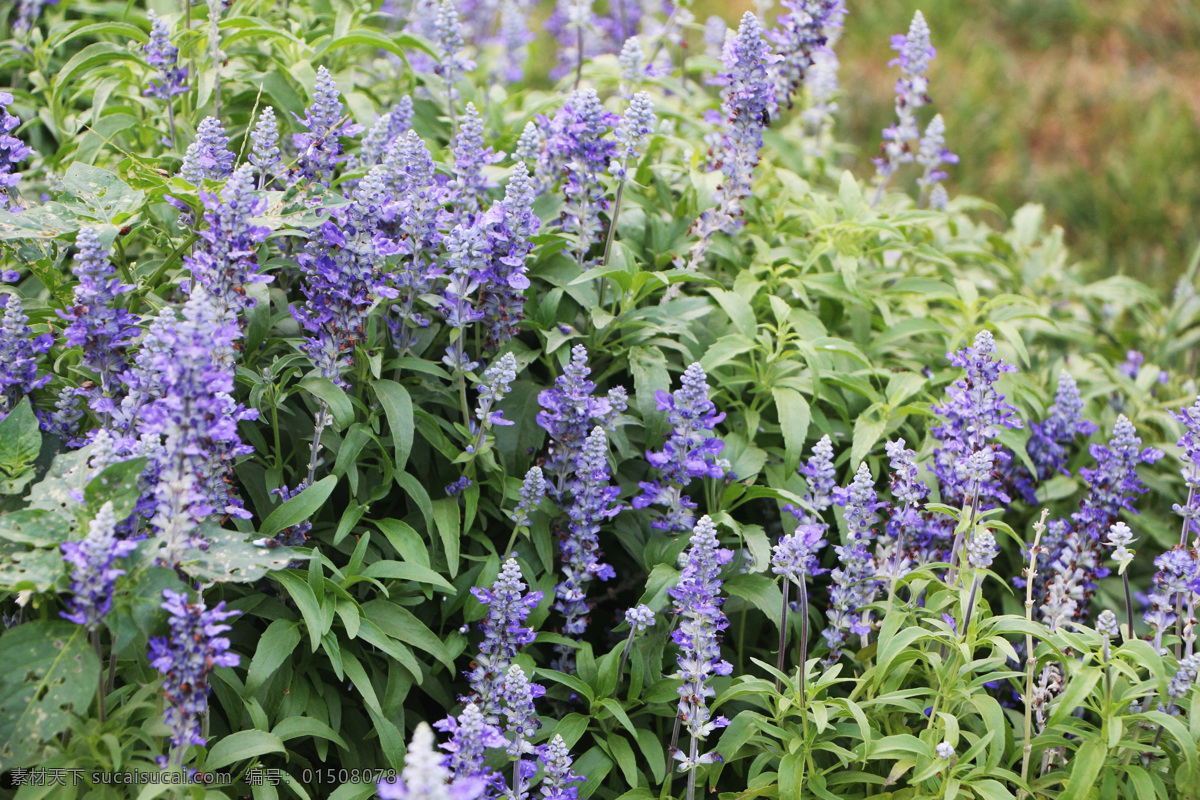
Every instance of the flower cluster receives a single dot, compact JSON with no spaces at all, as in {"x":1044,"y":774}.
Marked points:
{"x":747,"y":103}
{"x":905,"y":524}
{"x":533,"y":491}
{"x":187,"y":657}
{"x":425,"y":777}
{"x":93,"y":574}
{"x":697,"y":600}
{"x":912,"y":92}
{"x":264,"y":150}
{"x":854,"y":579}
{"x":636,"y":124}
{"x":447,"y":31}
{"x":593,"y":502}
{"x":163,"y":56}
{"x":503,"y":635}
{"x":208,"y":157}
{"x":19,"y":350}
{"x":932,"y":154}
{"x":690,"y":452}
{"x":12,"y":151}
{"x":1189,"y":442}
{"x":800,"y":35}
{"x":471,"y":155}
{"x":508,"y":227}
{"x":95,"y":322}
{"x":319,"y":146}
{"x":821,"y":477}
{"x":1049,"y":439}
{"x":496,"y":383}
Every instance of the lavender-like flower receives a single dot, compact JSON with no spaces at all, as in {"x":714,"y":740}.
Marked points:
{"x":945,"y":750}
{"x":690,"y":452}
{"x":163,"y":56}
{"x":466,"y":263}
{"x":576,"y":145}
{"x":982,"y":549}
{"x":93,"y":572}
{"x":557,"y":775}
{"x":697,"y":600}
{"x":1073,"y":572}
{"x":800,"y":35}
{"x":453,"y":62}
{"x":576,"y":26}
{"x":209,"y":156}
{"x":1049,"y":439}
{"x":1190,"y":444}
{"x":509,"y":226}
{"x":1114,"y":483}
{"x":187,"y":657}
{"x":19,"y":350}
{"x":854,"y":580}
{"x":932,"y":154}
{"x":193,"y":423}
{"x":632,"y":130}
{"x":912,"y":89}
{"x":225,"y":259}
{"x":320,"y":148}
{"x":593,"y":502}
{"x":821,"y":79}
{"x":343,"y":269}
{"x":821,"y":477}
{"x":1183,"y":680}
{"x":533,"y":491}
{"x":96,"y":323}
{"x":471,"y":734}
{"x":747,"y":103}
{"x":63,"y":422}
{"x":971,"y":418}
{"x":639,"y":618}
{"x":1119,"y":538}
{"x":425,"y":777}
{"x":1107,"y":625}
{"x":387,"y":129}
{"x":569,"y":412}
{"x":496,"y":383}
{"x":514,"y":39}
{"x":471,"y":155}
{"x":905,"y":522}
{"x":795,"y":556}
{"x":28,"y":12}
{"x":633,"y":63}
{"x":1177,"y":570}
{"x":264,"y":150}
{"x":12,"y":152}
{"x":521,"y":724}
{"x":503,"y":635}
{"x":529,"y":144}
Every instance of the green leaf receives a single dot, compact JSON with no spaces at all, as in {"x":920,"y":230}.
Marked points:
{"x":274,"y":647}
{"x":310,"y":609}
{"x":1085,"y":767}
{"x":117,"y":483}
{"x":35,"y":570}
{"x":446,"y":518}
{"x":794,"y":417}
{"x":106,"y":196}
{"x":335,"y":398}
{"x":407,"y":572}
{"x":241,"y":746}
{"x":37,"y":527}
{"x":299,"y":508}
{"x":231,"y":558}
{"x":20,"y":442}
{"x":622,"y":753}
{"x":866,"y":433}
{"x":397,"y":405}
{"x":738,"y":310}
{"x":49,"y":676}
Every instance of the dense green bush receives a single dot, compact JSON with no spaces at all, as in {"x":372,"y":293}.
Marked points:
{"x":358,"y":599}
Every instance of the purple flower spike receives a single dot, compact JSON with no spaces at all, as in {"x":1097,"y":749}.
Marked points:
{"x":593,"y":503}
{"x":557,"y":775}
{"x":448,"y":34}
{"x":424,"y":777}
{"x":93,"y":575}
{"x":387,"y":129}
{"x":503,"y":636}
{"x":225,"y":259}
{"x":800,"y":35}
{"x":96,"y":323}
{"x":690,"y":452}
{"x":912,"y":92}
{"x":533,"y":491}
{"x":697,"y":600}
{"x":635,"y":126}
{"x":855,"y":580}
{"x":1190,"y":444}
{"x":187,"y":657}
{"x":1049,"y":439}
{"x":209,"y":156}
{"x":521,"y":719}
{"x":932,"y":154}
{"x":12,"y":151}
{"x":471,"y":155}
{"x":508,"y":226}
{"x":319,"y":146}
{"x":19,"y":350}
{"x":264,"y":152}
{"x":747,"y":105}
{"x":795,"y":556}
{"x":470,"y":736}
{"x":821,"y":476}
{"x":163,"y":56}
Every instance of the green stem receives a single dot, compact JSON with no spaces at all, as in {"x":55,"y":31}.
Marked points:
{"x":783,"y":620}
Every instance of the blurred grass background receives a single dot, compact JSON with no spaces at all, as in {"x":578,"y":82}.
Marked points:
{"x":1090,"y":107}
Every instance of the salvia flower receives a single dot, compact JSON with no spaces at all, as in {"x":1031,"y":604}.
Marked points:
{"x":639,"y":618}
{"x":508,"y":227}
{"x":800,"y":34}
{"x":697,"y":600}
{"x":63,"y":422}
{"x":466,"y":263}
{"x":1184,"y":679}
{"x":821,"y":476}
{"x":470,"y":736}
{"x":557,"y":775}
{"x":1190,"y":444}
{"x":593,"y":502}
{"x":1114,"y":483}
{"x":945,"y":750}
{"x":912,"y":92}
{"x":225,"y":259}
{"x":1177,"y":569}
{"x":424,"y":776}
{"x":1073,"y":571}
{"x":28,"y":12}
{"x":95,"y":322}
{"x":319,"y":146}
{"x":529,"y":144}
{"x":1107,"y":623}
{"x":387,"y":129}
{"x":932,"y":154}
{"x":569,"y":412}
{"x":690,"y":452}
{"x":12,"y":150}
{"x":192,"y":422}
{"x":521,"y":721}
{"x":496,"y":383}
{"x":471,"y":155}
{"x":795,"y":556}
{"x":576,"y":26}
{"x":93,"y":573}
{"x":634,"y":127}
{"x":854,"y":580}
{"x":821,"y":79}
{"x":208,"y":157}
{"x":1119,"y":538}
{"x":1049,"y":439}
{"x":905,"y":523}
{"x":982,"y":549}
{"x":514,"y":38}
{"x":633,"y":62}
{"x":453,"y":61}
{"x":533,"y":491}
{"x":747,"y":104}
{"x":264,"y":149}
{"x":503,"y":635}
{"x":163,"y":56}
{"x":19,"y":350}
{"x":187,"y":656}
